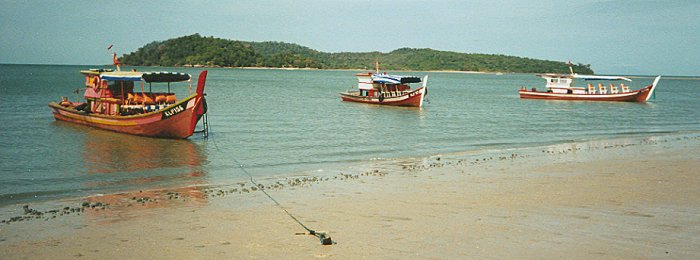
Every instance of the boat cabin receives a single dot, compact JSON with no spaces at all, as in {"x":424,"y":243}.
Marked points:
{"x":111,"y":92}
{"x":374,"y":85}
{"x":561,"y":84}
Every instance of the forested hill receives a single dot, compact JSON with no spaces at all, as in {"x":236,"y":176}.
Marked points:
{"x":215,"y":52}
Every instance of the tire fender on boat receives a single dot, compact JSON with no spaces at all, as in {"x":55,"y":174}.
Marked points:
{"x":96,"y":82}
{"x":381,"y":97}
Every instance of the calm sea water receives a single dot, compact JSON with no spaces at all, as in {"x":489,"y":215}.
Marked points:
{"x":281,"y":123}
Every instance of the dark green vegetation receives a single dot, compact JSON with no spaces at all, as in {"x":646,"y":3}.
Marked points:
{"x":214,"y":52}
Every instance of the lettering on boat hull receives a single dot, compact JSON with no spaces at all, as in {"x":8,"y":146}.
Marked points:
{"x":173,"y":111}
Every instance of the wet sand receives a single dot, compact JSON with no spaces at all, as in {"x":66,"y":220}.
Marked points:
{"x":607,"y":199}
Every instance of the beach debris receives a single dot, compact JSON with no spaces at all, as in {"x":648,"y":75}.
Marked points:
{"x":323,"y":236}
{"x":143,"y":200}
{"x":30,"y":214}
{"x":28,"y":211}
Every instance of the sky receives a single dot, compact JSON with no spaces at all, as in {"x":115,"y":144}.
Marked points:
{"x":630,"y":37}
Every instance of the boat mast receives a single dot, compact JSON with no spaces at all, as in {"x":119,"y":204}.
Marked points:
{"x":115,"y":60}
{"x":571,"y":68}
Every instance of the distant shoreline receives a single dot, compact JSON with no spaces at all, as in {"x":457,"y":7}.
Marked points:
{"x":674,"y":77}
{"x":438,"y":71}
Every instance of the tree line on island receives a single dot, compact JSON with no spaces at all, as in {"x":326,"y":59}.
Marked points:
{"x":195,"y":50}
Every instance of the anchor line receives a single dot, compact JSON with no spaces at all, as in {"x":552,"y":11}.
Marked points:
{"x":325,"y":240}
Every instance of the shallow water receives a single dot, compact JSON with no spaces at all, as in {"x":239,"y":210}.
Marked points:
{"x":281,"y":123}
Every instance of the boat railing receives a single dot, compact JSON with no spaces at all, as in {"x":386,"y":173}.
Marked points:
{"x":591,"y":89}
{"x":613,"y":89}
{"x":134,"y":103}
{"x":396,"y":93}
{"x":140,"y":108}
{"x":524,"y":88}
{"x":624,"y":88}
{"x":150,"y":98}
{"x":602,"y":88}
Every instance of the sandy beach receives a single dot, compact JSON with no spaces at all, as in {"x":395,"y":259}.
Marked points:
{"x":608,"y":199}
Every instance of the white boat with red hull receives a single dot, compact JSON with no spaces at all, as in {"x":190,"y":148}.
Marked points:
{"x":561,"y":87}
{"x":383,"y":89}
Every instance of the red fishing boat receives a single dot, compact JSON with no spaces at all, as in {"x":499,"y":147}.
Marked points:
{"x":112,"y":104}
{"x":382,"y":89}
{"x":561,"y":87}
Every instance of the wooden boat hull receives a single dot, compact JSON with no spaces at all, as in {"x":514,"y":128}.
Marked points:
{"x":175,"y":121}
{"x":410,"y":99}
{"x":640,"y":95}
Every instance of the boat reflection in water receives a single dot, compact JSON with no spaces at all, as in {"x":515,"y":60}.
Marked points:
{"x":133,"y":173}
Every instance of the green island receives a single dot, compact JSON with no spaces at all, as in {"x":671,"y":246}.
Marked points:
{"x":195,"y":50}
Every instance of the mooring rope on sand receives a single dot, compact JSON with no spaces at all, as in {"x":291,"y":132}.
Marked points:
{"x":325,"y":238}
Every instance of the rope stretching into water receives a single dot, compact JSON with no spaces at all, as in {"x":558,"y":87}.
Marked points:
{"x":325,"y":240}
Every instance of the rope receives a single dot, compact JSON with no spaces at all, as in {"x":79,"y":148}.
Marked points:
{"x":262,"y":188}
{"x":325,"y":240}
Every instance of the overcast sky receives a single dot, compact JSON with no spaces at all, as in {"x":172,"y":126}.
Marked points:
{"x":615,"y":36}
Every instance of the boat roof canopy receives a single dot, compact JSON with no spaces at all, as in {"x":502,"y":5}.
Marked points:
{"x":121,"y":75}
{"x":162,"y":76}
{"x":584,"y":77}
{"x":95,"y":71}
{"x":594,"y":77}
{"x":394,"y":79}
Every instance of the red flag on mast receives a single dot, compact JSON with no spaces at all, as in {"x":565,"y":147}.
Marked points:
{"x":116,"y":61}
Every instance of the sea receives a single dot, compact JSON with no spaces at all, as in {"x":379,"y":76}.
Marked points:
{"x":275,"y":124}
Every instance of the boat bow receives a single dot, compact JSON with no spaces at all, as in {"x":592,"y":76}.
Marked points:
{"x":424,"y":90}
{"x":653,"y":87}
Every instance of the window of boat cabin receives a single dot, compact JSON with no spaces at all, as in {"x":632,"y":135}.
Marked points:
{"x":558,"y":82}
{"x":116,"y":87}
{"x":565,"y":82}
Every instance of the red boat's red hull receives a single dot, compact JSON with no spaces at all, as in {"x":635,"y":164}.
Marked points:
{"x":175,"y":121}
{"x":410,"y":99}
{"x":640,"y":95}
